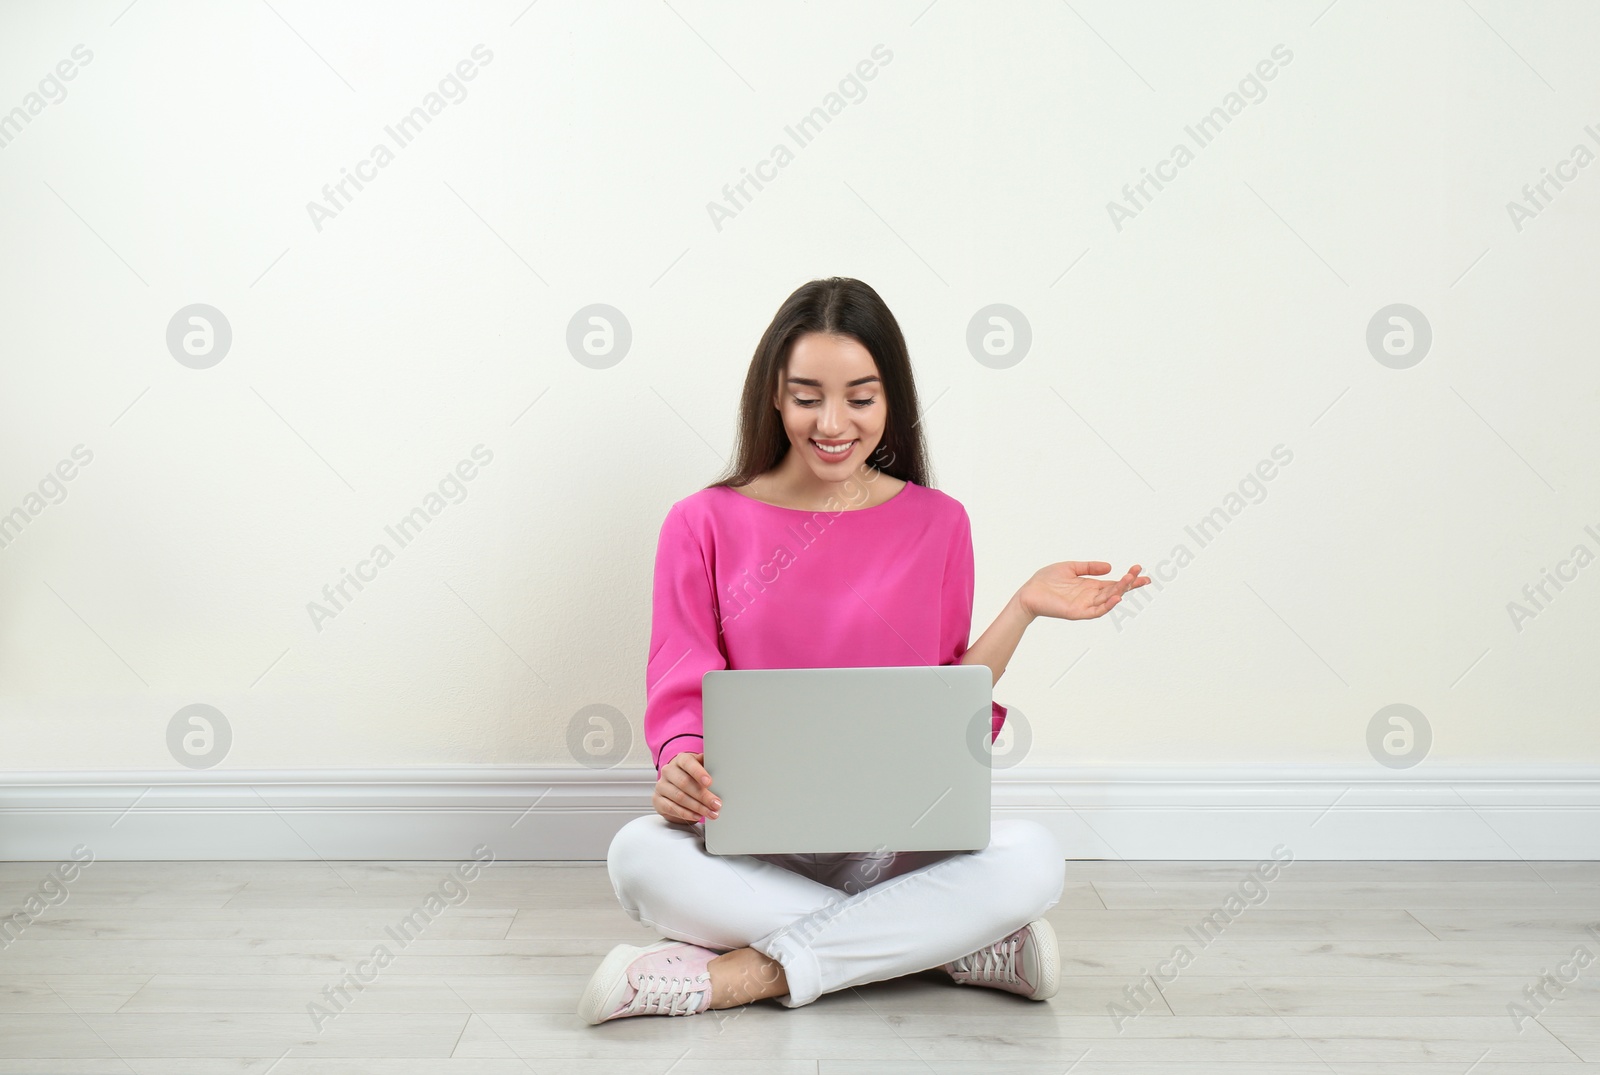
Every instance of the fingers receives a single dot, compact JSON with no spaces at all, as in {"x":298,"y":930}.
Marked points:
{"x":673,"y":805}
{"x":683,"y":792}
{"x":693,"y":764}
{"x":692,"y":798}
{"x":676,"y":804}
{"x":701,"y":800}
{"x":699,"y":784}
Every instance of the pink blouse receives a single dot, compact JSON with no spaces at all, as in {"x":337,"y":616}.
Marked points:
{"x":740,"y":583}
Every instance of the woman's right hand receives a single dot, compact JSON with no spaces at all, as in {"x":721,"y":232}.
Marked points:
{"x":683,"y":790}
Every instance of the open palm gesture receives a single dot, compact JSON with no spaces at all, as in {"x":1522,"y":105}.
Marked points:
{"x":1063,"y":592}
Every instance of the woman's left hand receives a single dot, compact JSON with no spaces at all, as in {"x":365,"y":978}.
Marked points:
{"x":1062,"y":592}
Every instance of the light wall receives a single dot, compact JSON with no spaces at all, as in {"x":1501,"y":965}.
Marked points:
{"x":1222,"y":327}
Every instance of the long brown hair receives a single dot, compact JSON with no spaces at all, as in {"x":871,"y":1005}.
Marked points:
{"x":837,"y":306}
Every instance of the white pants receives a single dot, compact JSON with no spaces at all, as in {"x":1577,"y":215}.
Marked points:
{"x":836,"y":920}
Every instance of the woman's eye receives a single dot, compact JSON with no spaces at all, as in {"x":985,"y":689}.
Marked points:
{"x":853,"y":402}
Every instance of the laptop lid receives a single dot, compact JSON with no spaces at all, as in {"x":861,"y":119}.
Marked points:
{"x":815,"y":760}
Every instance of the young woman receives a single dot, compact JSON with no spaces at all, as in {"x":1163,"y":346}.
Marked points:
{"x":826,"y":546}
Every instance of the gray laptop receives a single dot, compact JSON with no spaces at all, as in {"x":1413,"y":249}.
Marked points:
{"x":814,"y":760}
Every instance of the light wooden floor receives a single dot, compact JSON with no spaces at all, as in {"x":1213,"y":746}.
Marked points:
{"x":176,"y":968}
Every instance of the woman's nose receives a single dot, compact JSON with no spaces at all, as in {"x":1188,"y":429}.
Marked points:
{"x":828,"y":423}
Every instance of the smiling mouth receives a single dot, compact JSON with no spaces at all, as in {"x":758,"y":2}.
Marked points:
{"x":833,"y":450}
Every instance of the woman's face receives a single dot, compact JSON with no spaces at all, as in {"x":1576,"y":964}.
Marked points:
{"x":831,"y":395}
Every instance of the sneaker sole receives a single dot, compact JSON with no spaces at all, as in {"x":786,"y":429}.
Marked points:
{"x":1043,"y":934}
{"x":593,"y":1007}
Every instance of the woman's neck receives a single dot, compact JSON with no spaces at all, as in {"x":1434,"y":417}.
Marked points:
{"x":793,"y":484}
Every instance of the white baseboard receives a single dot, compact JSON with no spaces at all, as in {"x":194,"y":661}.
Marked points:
{"x":1501,"y":812}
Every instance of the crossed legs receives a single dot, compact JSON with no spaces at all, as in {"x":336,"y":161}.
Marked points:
{"x":797,"y":926}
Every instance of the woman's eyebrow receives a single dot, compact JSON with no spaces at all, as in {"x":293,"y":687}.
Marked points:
{"x":818,"y":384}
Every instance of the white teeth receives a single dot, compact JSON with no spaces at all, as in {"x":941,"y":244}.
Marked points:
{"x":840,"y":450}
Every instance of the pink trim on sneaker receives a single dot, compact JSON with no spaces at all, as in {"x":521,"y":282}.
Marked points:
{"x":666,"y":978}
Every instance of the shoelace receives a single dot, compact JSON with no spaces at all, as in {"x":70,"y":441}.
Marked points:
{"x":667,"y":995}
{"x":996,"y":963}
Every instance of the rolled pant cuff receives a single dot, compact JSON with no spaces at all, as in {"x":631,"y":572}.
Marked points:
{"x":800,"y":968}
